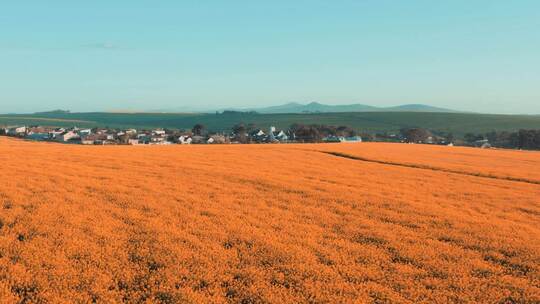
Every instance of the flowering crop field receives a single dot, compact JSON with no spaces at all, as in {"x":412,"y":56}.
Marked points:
{"x":333,"y":223}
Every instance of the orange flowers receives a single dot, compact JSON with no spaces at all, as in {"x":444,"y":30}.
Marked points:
{"x":267,"y":223}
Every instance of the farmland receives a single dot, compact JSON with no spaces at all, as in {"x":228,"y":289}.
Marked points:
{"x":371,"y":122}
{"x":319,"y":223}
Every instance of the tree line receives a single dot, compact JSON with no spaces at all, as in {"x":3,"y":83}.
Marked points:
{"x":522,"y":139}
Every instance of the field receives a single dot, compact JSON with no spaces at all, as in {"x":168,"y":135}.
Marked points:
{"x":371,"y":122}
{"x":334,"y":223}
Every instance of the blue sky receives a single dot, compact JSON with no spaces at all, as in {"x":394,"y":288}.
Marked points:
{"x":146,"y":55}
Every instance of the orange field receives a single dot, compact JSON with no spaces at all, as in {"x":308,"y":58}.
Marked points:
{"x":334,"y":223}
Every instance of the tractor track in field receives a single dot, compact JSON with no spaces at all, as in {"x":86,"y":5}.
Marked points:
{"x":432,"y":168}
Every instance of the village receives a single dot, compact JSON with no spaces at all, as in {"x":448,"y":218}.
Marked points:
{"x":250,"y":134}
{"x":198,"y":135}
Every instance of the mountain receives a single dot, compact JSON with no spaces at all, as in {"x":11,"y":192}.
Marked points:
{"x":417,"y":108}
{"x":315,"y":107}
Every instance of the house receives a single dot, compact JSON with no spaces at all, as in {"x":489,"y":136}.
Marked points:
{"x":281,"y":136}
{"x":38,"y":136}
{"x":144,"y":139}
{"x":216,"y":139}
{"x":17,"y":131}
{"x":353,"y":139}
{"x":156,"y":140}
{"x":92,"y":139}
{"x":56,"y":132}
{"x":134,"y":141}
{"x":67,"y":136}
{"x":85,"y":132}
{"x":258,"y":132}
{"x":184,"y":140}
{"x":158,"y":132}
{"x":258,"y":135}
{"x":482,"y":143}
{"x":20,"y":130}
{"x":34,"y":130}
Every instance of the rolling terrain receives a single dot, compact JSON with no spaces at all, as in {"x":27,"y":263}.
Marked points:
{"x":371,"y":122}
{"x":313,"y":107}
{"x":328,"y":223}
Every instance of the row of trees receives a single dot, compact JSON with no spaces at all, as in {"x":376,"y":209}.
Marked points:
{"x":316,"y":133}
{"x":522,"y":139}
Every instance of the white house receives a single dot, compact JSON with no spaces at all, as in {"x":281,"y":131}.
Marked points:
{"x":281,"y":136}
{"x":67,"y":136}
{"x":56,"y":132}
{"x":133,"y":141}
{"x":17,"y":131}
{"x":259,"y":133}
{"x":184,"y":140}
{"x":85,"y":132}
{"x":158,"y":132}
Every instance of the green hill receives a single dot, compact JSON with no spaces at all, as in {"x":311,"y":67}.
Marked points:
{"x":457,"y":123}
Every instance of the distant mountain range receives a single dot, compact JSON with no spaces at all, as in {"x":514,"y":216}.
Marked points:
{"x":315,"y":107}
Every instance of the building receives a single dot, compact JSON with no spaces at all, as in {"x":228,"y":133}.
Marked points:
{"x":281,"y":136}
{"x":38,"y":136}
{"x":17,"y":131}
{"x":85,"y":132}
{"x":184,"y":140}
{"x":134,"y":141}
{"x":67,"y":136}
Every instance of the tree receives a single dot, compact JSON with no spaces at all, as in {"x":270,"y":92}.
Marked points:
{"x":124,"y":138}
{"x":345,"y":131}
{"x":240,"y":133}
{"x":415,"y":135}
{"x":450,"y":138}
{"x":198,"y":129}
{"x":470,"y":137}
{"x":529,"y":139}
{"x":251,"y":127}
{"x":307,"y":133}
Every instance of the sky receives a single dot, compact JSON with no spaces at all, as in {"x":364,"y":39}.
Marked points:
{"x":474,"y":55}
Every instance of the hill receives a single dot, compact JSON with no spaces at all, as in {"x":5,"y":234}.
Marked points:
{"x":388,"y":223}
{"x":371,"y":122}
{"x":315,"y":107}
